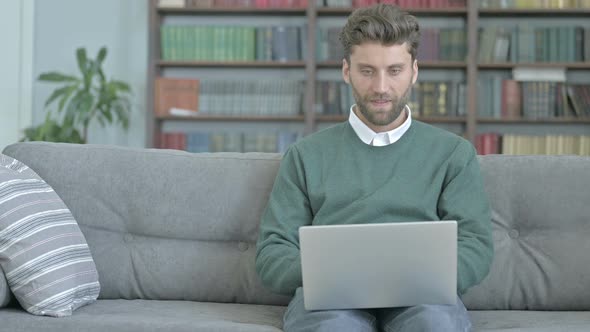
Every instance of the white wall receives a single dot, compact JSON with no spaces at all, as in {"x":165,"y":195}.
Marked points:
{"x":16,"y":34}
{"x":61,"y":26}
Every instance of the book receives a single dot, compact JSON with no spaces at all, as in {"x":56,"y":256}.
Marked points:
{"x":171,"y":3}
{"x":176,"y":93}
{"x":539,"y":74}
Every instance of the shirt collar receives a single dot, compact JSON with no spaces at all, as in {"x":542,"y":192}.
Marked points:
{"x":367,"y":134}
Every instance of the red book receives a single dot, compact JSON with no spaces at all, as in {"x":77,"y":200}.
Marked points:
{"x":176,"y":93}
{"x":261,"y":4}
{"x":479,"y":144}
{"x":490,"y":143}
{"x":511,"y":102}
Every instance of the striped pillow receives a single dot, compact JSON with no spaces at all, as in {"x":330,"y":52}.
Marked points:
{"x":4,"y":290}
{"x":43,"y":253}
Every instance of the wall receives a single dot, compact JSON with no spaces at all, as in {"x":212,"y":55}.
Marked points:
{"x":16,"y":33}
{"x":61,"y":26}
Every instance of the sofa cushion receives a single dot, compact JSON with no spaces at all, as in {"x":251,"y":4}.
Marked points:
{"x":152,"y":315}
{"x":530,"y":321}
{"x":541,"y":220}
{"x":43,"y":253}
{"x":163,"y":224}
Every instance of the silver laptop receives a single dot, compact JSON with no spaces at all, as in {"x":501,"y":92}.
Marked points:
{"x":379,"y":265}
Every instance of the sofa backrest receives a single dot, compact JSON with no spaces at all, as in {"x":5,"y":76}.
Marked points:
{"x":164,"y":224}
{"x":541,"y":220}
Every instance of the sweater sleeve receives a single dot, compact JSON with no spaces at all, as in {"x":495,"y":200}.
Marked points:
{"x":463,"y":198}
{"x":278,"y":260}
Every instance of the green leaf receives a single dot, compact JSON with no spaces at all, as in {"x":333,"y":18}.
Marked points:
{"x":57,"y":93}
{"x":86,"y":103}
{"x":85,"y":108}
{"x":47,"y":126}
{"x":88,"y":76}
{"x":82,"y":60}
{"x":102,"y":54}
{"x":122,"y":114}
{"x":72,"y":110}
{"x":119,"y":85}
{"x":68,"y":121}
{"x":108,"y":115}
{"x":87,"y":67}
{"x":65,"y":98}
{"x":57,"y":77}
{"x":101,"y":76}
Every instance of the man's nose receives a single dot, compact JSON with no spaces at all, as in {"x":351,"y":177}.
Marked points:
{"x":380,"y":83}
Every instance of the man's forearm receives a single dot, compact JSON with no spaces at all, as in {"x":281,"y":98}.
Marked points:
{"x":279,"y":267}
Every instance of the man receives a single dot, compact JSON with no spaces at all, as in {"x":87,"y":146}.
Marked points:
{"x":379,"y":166}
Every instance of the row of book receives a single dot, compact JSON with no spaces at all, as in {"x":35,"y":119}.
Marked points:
{"x":447,"y":44}
{"x":228,"y":141}
{"x":189,"y":97}
{"x":232,"y":3}
{"x":232,"y":43}
{"x":279,"y":142}
{"x":510,"y":99}
{"x":401,"y":3}
{"x":521,"y":44}
{"x":494,"y":143}
{"x":495,"y":4}
{"x":251,"y":98}
{"x":303,"y":3}
{"x":525,"y":43}
{"x":429,"y":99}
{"x":436,"y":99}
{"x":333,"y":98}
{"x":498,"y":98}
{"x":534,"y":4}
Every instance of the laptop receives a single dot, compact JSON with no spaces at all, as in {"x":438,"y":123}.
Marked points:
{"x":387,"y":265}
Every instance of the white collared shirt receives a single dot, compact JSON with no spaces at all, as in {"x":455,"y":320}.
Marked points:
{"x":368,"y":136}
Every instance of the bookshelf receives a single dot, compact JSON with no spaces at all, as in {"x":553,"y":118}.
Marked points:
{"x":312,"y":68}
{"x":540,"y":39}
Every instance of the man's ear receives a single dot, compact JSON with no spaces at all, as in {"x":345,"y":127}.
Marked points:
{"x":345,"y":71}
{"x":415,"y":68}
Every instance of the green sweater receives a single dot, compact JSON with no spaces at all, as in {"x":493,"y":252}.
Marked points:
{"x":332,"y":177}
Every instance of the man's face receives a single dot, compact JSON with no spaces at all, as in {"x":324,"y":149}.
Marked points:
{"x":381,"y":78}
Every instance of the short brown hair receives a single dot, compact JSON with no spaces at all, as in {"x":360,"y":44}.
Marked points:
{"x":383,"y":23}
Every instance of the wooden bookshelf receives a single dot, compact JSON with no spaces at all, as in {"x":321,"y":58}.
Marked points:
{"x":310,"y":65}
{"x":230,"y":118}
{"x":231,"y":64}
{"x":567,"y":65}
{"x":421,"y":12}
{"x":485,"y":12}
{"x":564,"y":125}
{"x":421,"y":64}
{"x":232,"y":11}
{"x":568,"y":120}
{"x":429,"y":119}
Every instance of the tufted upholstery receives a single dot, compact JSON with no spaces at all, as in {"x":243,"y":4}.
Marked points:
{"x":171,"y":225}
{"x":162,"y":224}
{"x":541,"y":219}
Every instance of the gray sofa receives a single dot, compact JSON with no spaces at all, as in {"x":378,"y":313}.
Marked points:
{"x":173,"y":238}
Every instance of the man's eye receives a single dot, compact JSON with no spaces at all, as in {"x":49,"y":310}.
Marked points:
{"x":366,"y":72}
{"x":395,"y":71}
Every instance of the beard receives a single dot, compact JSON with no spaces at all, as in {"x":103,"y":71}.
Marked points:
{"x":380,"y":117}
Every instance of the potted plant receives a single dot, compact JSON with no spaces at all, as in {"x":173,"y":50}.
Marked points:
{"x":81,"y":100}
